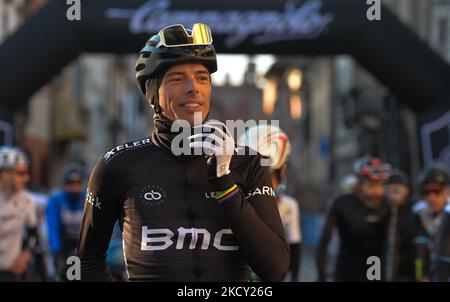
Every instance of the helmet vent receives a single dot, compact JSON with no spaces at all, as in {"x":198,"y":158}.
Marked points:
{"x":140,"y":67}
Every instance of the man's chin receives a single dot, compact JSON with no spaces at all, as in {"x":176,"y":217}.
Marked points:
{"x":373,"y":202}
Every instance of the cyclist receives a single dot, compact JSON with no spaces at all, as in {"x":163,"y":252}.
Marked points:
{"x":270,"y":141}
{"x":205,"y":216}
{"x":361,"y":219}
{"x":427,"y":217}
{"x":400,"y":249}
{"x":441,"y":265}
{"x":37,"y":270}
{"x":63,"y":215}
{"x":18,"y":225}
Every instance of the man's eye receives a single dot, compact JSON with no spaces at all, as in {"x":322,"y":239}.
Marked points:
{"x":175,"y":79}
{"x":203,"y":78}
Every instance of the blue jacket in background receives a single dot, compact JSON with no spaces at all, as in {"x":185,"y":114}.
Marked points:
{"x":64,"y":214}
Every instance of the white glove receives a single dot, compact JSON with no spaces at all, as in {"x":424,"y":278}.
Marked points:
{"x":217,"y":143}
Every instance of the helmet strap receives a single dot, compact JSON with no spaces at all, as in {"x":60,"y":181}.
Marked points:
{"x":153,"y":94}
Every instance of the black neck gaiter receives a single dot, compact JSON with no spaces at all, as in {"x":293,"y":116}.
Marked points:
{"x":162,"y":136}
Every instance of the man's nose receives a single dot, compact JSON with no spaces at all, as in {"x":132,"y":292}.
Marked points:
{"x":191,"y":85}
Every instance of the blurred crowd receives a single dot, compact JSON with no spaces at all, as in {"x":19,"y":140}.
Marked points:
{"x":376,"y":215}
{"x":38,"y":232}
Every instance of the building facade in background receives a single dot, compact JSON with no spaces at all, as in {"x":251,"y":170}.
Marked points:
{"x":338,"y":113}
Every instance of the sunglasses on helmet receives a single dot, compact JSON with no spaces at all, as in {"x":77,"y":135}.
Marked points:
{"x":381,"y":172}
{"x":177,"y":35}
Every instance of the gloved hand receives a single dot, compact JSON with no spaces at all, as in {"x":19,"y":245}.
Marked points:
{"x":218,"y":144}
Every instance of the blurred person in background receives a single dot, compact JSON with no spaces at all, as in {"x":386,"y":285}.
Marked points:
{"x":63,"y":215}
{"x":361,"y":219}
{"x":37,"y":270}
{"x":427,"y":217}
{"x":270,"y":141}
{"x":348,"y":183}
{"x":18,"y":222}
{"x":115,"y":259}
{"x":441,"y":265}
{"x":400,"y":249}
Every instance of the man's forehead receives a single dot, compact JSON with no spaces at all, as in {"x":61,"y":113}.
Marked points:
{"x":433,"y":186}
{"x":187,"y":68}
{"x":373,"y":182}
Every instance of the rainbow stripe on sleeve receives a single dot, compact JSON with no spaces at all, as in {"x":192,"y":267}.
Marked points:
{"x":227,"y":194}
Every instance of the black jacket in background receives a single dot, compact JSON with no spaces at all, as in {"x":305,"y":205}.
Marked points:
{"x":362,"y":234}
{"x":400,"y":250}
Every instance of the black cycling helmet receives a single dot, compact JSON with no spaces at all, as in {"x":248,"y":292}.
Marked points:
{"x":398,"y":177}
{"x":73,"y":173}
{"x":435,"y":176}
{"x":175,"y":45}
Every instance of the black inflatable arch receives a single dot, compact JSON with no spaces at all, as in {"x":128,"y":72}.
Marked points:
{"x":48,"y":41}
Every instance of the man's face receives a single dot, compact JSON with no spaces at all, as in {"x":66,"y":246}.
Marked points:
{"x":21,"y":177}
{"x":436,"y":197}
{"x":184,"y":90}
{"x":7,"y":179}
{"x":397,"y":193}
{"x":74,"y":187}
{"x":372,"y":192}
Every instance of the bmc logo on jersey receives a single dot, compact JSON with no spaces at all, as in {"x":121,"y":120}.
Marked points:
{"x":161,"y":239}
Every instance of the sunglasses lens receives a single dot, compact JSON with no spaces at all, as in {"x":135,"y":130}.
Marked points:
{"x":201,"y":34}
{"x":174,"y":35}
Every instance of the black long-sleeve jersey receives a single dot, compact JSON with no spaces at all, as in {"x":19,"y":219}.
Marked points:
{"x":441,"y":264}
{"x":173,"y":228}
{"x":362,"y":233}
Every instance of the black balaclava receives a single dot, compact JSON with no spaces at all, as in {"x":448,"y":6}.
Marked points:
{"x":162,"y":134}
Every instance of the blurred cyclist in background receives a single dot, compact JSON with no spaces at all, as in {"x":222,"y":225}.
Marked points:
{"x":362,"y":220}
{"x":64,"y":213}
{"x":348,"y":183}
{"x":270,"y":141}
{"x":18,"y":225}
{"x":37,"y":269}
{"x":400,"y":250}
{"x":115,"y":259}
{"x":441,"y":265}
{"x":427,"y":218}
